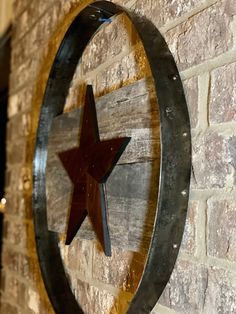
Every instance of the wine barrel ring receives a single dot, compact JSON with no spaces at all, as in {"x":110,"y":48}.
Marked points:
{"x":175,"y":167}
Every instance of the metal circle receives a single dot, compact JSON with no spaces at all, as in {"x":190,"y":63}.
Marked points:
{"x":175,"y":160}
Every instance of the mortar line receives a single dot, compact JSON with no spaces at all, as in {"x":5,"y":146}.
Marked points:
{"x":17,"y":218}
{"x":206,"y":66}
{"x":20,"y":250}
{"x":183,"y":73}
{"x":12,"y":301}
{"x":45,"y":46}
{"x":161,"y":309}
{"x":209,"y":65}
{"x":29,"y":283}
{"x":104,"y":286}
{"x":224,"y":128}
{"x":209,"y":261}
{"x":109,"y":62}
{"x":85,"y":76}
{"x":16,"y":17}
{"x":204,"y":195}
{"x":32,"y":26}
{"x":9,"y":300}
{"x":179,"y":20}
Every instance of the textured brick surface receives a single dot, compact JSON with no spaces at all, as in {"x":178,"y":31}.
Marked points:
{"x":223,"y":94}
{"x":129,"y":69}
{"x":19,"y":205}
{"x":109,"y":42}
{"x":33,"y":300}
{"x":19,"y":234}
{"x":185,"y":292}
{"x":220,"y":292}
{"x":20,"y":101}
{"x":16,"y":290}
{"x":19,"y":6}
{"x":203,"y":36}
{"x":221,"y":229}
{"x":22,"y":75}
{"x":189,"y":237}
{"x":8,"y":308}
{"x":78,"y":256}
{"x":161,"y":12}
{"x":28,"y":267}
{"x":38,"y":33}
{"x":122,"y":270}
{"x":191,"y":94}
{"x":29,"y":16}
{"x":213,"y":163}
{"x":96,"y":301}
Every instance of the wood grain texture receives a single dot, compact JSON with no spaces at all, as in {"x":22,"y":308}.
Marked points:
{"x":132,"y":186}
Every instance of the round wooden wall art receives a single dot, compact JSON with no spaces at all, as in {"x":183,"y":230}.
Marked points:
{"x":175,"y":166}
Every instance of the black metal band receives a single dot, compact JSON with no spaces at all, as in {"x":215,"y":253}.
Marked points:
{"x":175,"y":159}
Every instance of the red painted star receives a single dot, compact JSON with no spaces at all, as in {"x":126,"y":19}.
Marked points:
{"x":88,"y":167}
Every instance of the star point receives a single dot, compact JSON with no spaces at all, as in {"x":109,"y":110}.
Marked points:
{"x":89,"y":166}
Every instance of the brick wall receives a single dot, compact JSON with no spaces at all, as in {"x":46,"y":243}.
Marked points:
{"x":202,"y":37}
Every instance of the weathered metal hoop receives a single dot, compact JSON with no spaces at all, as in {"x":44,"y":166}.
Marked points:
{"x":175,"y":159}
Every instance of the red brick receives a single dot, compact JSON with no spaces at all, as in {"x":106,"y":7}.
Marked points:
{"x":28,"y":17}
{"x":10,"y":259}
{"x":185,"y":290}
{"x":189,"y":237}
{"x":19,"y":204}
{"x":25,"y":72}
{"x":19,"y":7}
{"x":21,"y":101}
{"x":16,"y":153}
{"x":8,"y":308}
{"x":33,"y":300}
{"x":220,"y":292}
{"x":25,"y":179}
{"x":161,"y":12}
{"x":94,"y":300}
{"x":37,"y":36}
{"x":131,"y":68}
{"x":28,"y":71}
{"x":212,"y":160}
{"x":79,"y":256}
{"x":122,"y":270}
{"x":222,"y":107}
{"x":191,"y":94}
{"x":221,"y":235}
{"x":17,"y":233}
{"x":205,"y":35}
{"x":19,"y":179}
{"x":230,"y":7}
{"x":109,"y":42}
{"x":28,"y":268}
{"x":76,"y":95}
{"x":15,"y":290}
{"x":18,"y":128}
{"x":13,"y":179}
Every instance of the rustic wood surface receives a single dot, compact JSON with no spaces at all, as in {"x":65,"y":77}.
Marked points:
{"x":133,"y":184}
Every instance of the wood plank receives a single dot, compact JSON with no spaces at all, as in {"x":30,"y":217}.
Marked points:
{"x":132,"y":186}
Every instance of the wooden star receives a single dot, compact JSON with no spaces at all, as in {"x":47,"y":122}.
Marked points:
{"x":88,"y":167}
